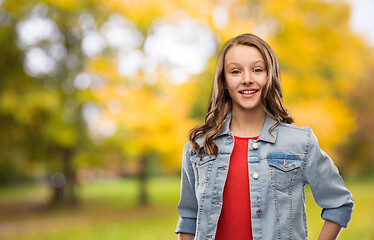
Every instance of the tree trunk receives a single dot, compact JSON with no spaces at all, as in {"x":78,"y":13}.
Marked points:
{"x":64,"y":183}
{"x":143,"y":177}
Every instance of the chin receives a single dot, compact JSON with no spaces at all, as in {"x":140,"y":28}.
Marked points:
{"x":251,"y":107}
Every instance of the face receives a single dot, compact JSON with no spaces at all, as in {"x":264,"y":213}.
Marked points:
{"x":245,"y":75}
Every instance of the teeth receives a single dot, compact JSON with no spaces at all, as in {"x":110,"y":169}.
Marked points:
{"x":248,"y":91}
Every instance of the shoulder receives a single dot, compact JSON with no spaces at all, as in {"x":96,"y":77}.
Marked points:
{"x":188,"y":148}
{"x":302,"y":134}
{"x":292,"y":127}
{"x":199,"y":140}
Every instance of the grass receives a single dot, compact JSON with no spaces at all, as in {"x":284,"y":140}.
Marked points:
{"x":108,"y":210}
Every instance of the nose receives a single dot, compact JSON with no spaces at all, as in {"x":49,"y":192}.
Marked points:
{"x":247,"y":78}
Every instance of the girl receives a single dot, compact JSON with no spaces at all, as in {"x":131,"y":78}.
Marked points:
{"x":244,"y":169}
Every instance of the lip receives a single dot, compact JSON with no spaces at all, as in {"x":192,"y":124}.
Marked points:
{"x":248,"y":89}
{"x":250,"y":94}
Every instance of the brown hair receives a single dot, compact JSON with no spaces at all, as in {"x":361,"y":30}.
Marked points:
{"x":220,"y":104}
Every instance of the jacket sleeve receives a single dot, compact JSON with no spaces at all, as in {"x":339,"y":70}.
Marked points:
{"x":187,"y":206}
{"x":328,"y":188}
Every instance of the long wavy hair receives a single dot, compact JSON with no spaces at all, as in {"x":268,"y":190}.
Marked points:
{"x":220,"y":104}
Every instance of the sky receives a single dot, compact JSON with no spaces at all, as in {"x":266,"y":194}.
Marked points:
{"x":362,"y":19}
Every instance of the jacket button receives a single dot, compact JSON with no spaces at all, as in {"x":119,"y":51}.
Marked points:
{"x":259,"y":211}
{"x":285,"y":164}
{"x":255,"y":145}
{"x":255,"y":175}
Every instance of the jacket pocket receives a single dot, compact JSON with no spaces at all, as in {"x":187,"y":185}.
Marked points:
{"x":203,"y":167}
{"x":283,"y":169}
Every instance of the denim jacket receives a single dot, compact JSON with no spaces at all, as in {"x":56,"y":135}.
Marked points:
{"x":279,"y":165}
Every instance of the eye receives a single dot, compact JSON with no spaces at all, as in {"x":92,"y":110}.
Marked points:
{"x":235,"y":72}
{"x":258,"y":70}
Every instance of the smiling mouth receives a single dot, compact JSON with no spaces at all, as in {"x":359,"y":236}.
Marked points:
{"x":248,"y":91}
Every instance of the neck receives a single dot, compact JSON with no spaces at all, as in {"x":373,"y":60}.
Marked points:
{"x":247,"y":123}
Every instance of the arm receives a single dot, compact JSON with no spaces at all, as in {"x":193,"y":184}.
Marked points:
{"x":328,"y":188}
{"x":330,"y":231}
{"x":185,"y":236}
{"x":187,"y":206}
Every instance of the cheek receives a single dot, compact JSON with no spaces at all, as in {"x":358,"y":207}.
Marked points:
{"x":230,"y":85}
{"x":262,"y":81}
{"x":228,"y":82}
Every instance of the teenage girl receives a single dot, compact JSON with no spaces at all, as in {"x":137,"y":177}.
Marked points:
{"x":244,"y":169}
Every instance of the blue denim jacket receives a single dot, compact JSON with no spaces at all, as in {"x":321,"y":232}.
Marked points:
{"x":279,"y":165}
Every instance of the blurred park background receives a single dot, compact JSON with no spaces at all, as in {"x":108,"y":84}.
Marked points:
{"x":97,"y":98}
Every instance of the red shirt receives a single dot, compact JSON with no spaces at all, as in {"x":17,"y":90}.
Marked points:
{"x":235,"y":220}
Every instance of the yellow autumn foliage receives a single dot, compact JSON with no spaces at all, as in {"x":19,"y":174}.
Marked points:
{"x":320,"y":57}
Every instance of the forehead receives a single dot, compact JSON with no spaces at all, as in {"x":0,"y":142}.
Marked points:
{"x":242,"y":54}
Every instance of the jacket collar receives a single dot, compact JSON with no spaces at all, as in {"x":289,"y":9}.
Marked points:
{"x":264,"y":135}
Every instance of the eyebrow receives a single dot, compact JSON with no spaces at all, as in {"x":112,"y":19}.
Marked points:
{"x":235,"y":63}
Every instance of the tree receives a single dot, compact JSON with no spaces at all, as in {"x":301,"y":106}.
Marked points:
{"x":42,"y":104}
{"x":68,"y":53}
{"x":358,"y":150}
{"x":98,"y":81}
